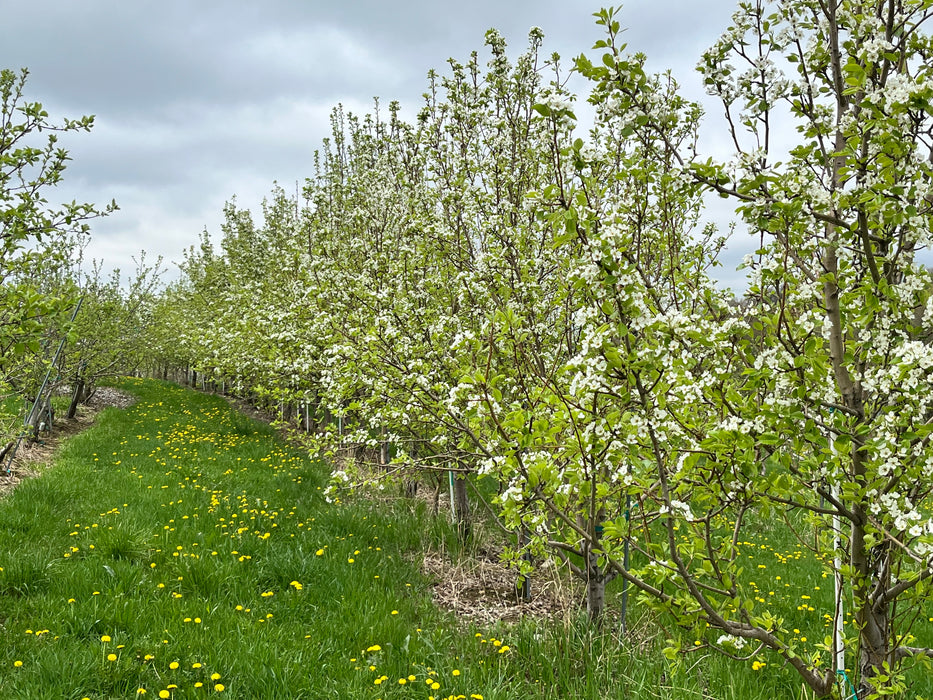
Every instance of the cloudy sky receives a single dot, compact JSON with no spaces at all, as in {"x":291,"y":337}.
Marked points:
{"x":196,"y":102}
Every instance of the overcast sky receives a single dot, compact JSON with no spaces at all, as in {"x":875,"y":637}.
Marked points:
{"x":198,"y":101}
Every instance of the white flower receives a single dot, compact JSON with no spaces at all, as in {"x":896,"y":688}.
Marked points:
{"x":728,"y":640}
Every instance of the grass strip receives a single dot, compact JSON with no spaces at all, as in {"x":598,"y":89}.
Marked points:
{"x":179,"y":549}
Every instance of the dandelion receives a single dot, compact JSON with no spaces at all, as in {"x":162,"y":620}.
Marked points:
{"x":111,"y":657}
{"x":219,"y":687}
{"x":173,"y":665}
{"x":105,"y":638}
{"x":455,"y":672}
{"x":164,"y":694}
{"x":17,"y":663}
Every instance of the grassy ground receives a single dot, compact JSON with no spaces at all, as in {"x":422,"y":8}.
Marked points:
{"x":179,"y":550}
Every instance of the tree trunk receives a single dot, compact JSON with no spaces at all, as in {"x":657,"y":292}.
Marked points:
{"x":3,"y":455}
{"x":76,"y":398}
{"x":384,"y":455}
{"x":524,"y":585}
{"x":436,"y":498}
{"x":595,"y":581}
{"x":32,"y":424}
{"x":462,"y":509}
{"x":871,"y":571}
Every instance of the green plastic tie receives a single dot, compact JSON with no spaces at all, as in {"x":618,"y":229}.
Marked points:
{"x":847,"y":682}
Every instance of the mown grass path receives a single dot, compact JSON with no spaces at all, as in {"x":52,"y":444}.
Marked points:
{"x":178,"y":549}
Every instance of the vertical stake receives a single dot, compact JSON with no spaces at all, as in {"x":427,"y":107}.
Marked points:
{"x":453,"y":506}
{"x":838,"y":646}
{"x":623,"y":627}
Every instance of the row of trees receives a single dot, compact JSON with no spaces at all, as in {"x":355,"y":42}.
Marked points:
{"x":43,"y":281}
{"x":488,"y":291}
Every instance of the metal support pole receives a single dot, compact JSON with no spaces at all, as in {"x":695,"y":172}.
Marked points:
{"x":453,"y":505}
{"x":623,"y":628}
{"x":838,"y":617}
{"x":32,"y":409}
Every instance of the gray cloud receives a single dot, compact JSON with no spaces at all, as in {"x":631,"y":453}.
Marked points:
{"x":196,"y":102}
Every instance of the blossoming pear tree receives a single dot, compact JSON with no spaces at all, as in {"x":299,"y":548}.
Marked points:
{"x":813,"y":401}
{"x":486,"y":290}
{"x":111,"y":329}
{"x":440,"y":203}
{"x":38,"y":242}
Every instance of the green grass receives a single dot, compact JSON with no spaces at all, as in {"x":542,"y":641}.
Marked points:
{"x":189,"y":543}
